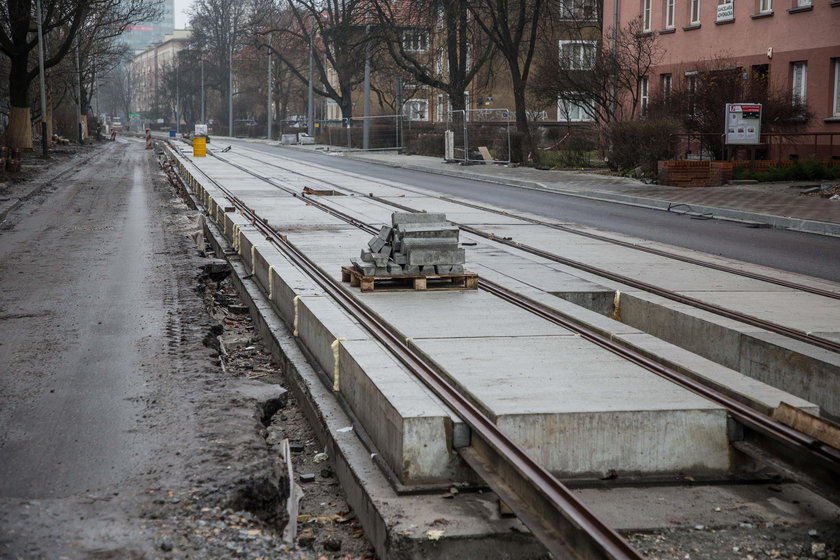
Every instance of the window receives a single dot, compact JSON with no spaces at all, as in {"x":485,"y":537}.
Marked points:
{"x":580,"y":10}
{"x":667,"y":82}
{"x":837,"y":87}
{"x":415,"y":40}
{"x":800,"y":82}
{"x":803,"y":3}
{"x":669,"y":14}
{"x":416,"y":110}
{"x":765,"y":6}
{"x":577,"y":55}
{"x":694,"y":17}
{"x":439,"y":105}
{"x":691,"y":88}
{"x":643,"y":96}
{"x":574,"y":111}
{"x":646,"y":14}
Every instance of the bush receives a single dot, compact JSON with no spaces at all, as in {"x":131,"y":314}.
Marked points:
{"x":811,"y":170}
{"x":641,"y":144}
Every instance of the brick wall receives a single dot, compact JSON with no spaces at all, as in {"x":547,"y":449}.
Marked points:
{"x":695,"y":173}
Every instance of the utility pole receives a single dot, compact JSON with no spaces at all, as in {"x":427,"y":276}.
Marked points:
{"x":230,"y":86}
{"x":178,"y":92}
{"x":310,"y":102}
{"x":42,"y":81}
{"x":366,"y":123}
{"x":79,"y":94}
{"x":202,"y":89}
{"x":268,"y":101}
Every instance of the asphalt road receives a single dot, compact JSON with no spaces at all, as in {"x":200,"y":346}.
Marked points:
{"x":812,"y":255}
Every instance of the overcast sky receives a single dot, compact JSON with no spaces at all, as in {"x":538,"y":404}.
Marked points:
{"x":180,"y":15}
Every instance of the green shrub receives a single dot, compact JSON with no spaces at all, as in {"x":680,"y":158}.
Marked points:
{"x":641,"y":144}
{"x":811,"y":170}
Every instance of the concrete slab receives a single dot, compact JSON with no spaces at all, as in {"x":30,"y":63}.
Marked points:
{"x":410,"y":427}
{"x":456,"y":314}
{"x":581,"y":412}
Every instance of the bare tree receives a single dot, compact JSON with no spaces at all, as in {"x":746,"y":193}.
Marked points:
{"x":337,"y":32}
{"x":514,"y":28}
{"x":599,"y":77}
{"x":698,"y":100}
{"x":62,"y":20}
{"x":434,"y":43}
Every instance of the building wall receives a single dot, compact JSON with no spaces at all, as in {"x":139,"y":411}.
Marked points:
{"x":787,"y":33}
{"x":146,"y":72}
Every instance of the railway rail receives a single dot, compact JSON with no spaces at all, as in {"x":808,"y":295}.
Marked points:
{"x":541,"y":501}
{"x":802,"y":336}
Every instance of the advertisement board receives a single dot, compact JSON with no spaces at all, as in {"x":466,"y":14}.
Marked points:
{"x":743,"y":124}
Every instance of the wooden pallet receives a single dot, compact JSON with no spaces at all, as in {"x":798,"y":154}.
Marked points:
{"x":407,"y":283}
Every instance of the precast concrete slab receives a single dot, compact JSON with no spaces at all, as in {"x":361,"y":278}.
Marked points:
{"x":455,"y":314}
{"x":411,"y":428}
{"x":802,"y":369}
{"x":581,"y":412}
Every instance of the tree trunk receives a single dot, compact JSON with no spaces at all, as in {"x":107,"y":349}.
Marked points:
{"x":19,"y":133}
{"x":526,"y":148}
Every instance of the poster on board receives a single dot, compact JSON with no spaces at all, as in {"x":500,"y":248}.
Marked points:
{"x":743,"y":123}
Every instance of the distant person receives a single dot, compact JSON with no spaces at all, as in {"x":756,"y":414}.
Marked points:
{"x":113,"y":135}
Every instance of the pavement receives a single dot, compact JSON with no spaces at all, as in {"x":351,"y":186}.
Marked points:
{"x":777,"y":204}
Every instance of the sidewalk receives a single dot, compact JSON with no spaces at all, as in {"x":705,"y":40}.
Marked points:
{"x":778,"y":205}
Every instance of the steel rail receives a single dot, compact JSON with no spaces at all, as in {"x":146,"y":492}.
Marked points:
{"x":796,"y":441}
{"x":605,"y":239}
{"x":822,"y":462}
{"x":584,"y":535}
{"x":796,"y":334}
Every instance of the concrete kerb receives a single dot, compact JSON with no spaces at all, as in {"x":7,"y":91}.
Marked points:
{"x":740,"y":216}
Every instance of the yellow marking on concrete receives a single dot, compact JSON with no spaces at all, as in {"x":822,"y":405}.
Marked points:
{"x":334,"y":347}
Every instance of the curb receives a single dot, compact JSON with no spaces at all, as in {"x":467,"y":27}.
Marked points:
{"x":751,"y":219}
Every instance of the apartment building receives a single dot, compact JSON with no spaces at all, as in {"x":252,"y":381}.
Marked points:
{"x":793,"y":44}
{"x":148,"y":66}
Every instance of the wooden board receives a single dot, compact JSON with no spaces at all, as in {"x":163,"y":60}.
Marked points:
{"x":409,"y":283}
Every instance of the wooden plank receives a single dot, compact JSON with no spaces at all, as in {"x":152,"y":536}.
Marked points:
{"x":808,"y":424}
{"x":485,"y":153}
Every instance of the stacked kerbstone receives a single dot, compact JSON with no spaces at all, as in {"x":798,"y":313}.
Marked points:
{"x":413,"y":245}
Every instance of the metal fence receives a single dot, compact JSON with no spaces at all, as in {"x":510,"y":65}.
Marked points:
{"x":774,"y":146}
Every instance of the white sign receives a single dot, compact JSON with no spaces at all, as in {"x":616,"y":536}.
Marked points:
{"x":725,"y":11}
{"x":743,"y":123}
{"x":200,"y":129}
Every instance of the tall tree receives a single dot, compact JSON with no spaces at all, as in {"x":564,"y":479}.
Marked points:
{"x":434,"y":42}
{"x":600,"y":77}
{"x":62,"y":20}
{"x":336,"y":32}
{"x":514,"y":27}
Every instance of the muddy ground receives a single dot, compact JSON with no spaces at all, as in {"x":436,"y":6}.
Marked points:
{"x":122,"y":433}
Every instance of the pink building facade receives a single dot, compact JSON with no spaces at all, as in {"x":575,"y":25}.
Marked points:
{"x":794,"y":43}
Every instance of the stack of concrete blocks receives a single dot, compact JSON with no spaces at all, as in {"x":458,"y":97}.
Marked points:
{"x":413,"y":245}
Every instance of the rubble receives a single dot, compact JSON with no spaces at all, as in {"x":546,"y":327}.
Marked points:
{"x":414,"y":244}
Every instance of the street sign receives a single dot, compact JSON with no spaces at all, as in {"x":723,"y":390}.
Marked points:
{"x":743,"y":124}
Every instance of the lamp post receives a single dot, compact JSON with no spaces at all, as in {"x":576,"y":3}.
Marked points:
{"x":230,"y":85}
{"x":310,"y":99}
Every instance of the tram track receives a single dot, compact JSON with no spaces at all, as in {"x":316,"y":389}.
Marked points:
{"x":554,"y":514}
{"x":795,"y":334}
{"x":821,"y":461}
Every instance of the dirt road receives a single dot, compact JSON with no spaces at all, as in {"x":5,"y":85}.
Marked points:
{"x":120,"y":434}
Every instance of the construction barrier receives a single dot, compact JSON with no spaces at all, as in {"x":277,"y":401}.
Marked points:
{"x":199,"y":147}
